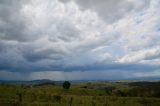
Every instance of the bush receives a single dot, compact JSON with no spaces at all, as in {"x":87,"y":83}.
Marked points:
{"x":66,"y":85}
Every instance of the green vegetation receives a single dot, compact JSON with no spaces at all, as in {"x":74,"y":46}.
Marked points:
{"x":66,"y":85}
{"x":82,"y":94}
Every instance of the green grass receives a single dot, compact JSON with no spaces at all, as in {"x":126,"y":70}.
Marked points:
{"x":75,"y":96}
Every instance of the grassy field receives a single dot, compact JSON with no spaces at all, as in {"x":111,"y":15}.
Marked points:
{"x":82,"y":94}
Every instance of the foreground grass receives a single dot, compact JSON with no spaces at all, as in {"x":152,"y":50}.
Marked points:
{"x":11,"y":95}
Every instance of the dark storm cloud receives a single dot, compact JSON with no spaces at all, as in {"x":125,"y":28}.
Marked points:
{"x":21,"y":57}
{"x":81,"y":35}
{"x":113,"y":66}
{"x":49,"y":64}
{"x":33,"y":54}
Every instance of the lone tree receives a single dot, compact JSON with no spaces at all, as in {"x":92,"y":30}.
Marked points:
{"x":66,"y":85}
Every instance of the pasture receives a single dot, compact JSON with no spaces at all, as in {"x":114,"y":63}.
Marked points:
{"x":82,"y":94}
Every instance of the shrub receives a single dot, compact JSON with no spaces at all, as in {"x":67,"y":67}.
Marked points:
{"x":66,"y":85}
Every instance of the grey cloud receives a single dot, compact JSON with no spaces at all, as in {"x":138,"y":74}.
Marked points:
{"x":7,"y":75}
{"x":40,"y":36}
{"x":34,"y":54}
{"x":16,"y":56}
{"x":64,"y":1}
{"x":113,"y":10}
{"x":114,"y":66}
{"x":13,"y":22}
{"x":145,"y":54}
{"x":64,"y":30}
{"x":50,"y":65}
{"x":78,"y":75}
{"x":21,"y":47}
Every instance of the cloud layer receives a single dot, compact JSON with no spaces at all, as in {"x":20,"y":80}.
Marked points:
{"x":70,"y":36}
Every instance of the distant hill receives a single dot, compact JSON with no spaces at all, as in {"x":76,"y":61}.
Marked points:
{"x":145,"y":79}
{"x":51,"y":82}
{"x":33,"y":82}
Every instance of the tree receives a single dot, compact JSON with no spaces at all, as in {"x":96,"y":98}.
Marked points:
{"x":66,"y":85}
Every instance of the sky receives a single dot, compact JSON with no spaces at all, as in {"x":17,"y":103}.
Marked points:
{"x":79,"y":39}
